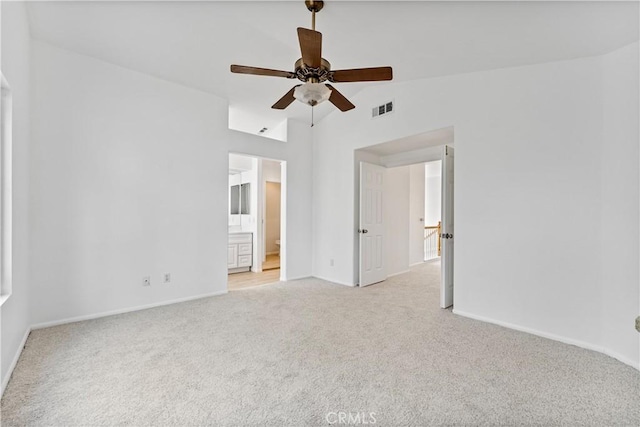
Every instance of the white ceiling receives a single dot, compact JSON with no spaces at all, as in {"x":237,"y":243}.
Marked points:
{"x":193,"y":43}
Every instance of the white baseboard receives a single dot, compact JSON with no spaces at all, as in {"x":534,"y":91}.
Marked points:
{"x":14,"y":362}
{"x":416,"y":263}
{"x":288,"y":279}
{"x":550,"y":336}
{"x":621,"y":358}
{"x":400,"y":272}
{"x":123,"y":310}
{"x":351,"y":285}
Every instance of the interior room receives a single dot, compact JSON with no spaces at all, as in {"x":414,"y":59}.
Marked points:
{"x":413,"y":206}
{"x":430,"y":213}
{"x":254,"y":221}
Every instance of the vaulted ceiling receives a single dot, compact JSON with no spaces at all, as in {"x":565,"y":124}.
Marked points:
{"x":193,"y":43}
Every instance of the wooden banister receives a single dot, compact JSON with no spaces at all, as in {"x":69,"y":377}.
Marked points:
{"x":435,"y":228}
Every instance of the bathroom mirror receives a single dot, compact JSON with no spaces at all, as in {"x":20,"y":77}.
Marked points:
{"x":235,"y":200}
{"x":244,"y":199}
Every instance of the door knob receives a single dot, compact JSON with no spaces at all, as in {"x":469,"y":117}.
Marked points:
{"x":365,"y":231}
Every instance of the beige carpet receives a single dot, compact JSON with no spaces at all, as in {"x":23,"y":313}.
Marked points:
{"x":289,"y":354}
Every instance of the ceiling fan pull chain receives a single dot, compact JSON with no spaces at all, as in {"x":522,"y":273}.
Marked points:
{"x":312,"y":108}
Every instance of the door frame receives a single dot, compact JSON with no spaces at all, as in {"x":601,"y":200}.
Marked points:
{"x":447,"y":208}
{"x":264,"y":216}
{"x":429,"y":150}
{"x":6,"y":174}
{"x":258,"y":247}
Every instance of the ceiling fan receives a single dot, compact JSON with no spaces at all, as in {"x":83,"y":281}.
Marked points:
{"x":313,"y":70}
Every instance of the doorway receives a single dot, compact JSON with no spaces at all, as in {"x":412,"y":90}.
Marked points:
{"x":432,"y":246}
{"x":272,"y":226}
{"x":255,"y":227}
{"x":403,"y":192}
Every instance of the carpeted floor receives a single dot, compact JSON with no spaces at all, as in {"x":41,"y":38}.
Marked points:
{"x":299,"y":353}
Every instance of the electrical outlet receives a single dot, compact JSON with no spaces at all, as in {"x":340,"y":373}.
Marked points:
{"x":167,"y":278}
{"x":146,"y":281}
{"x":638,"y":323}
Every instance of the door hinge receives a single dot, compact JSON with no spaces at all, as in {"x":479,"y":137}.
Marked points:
{"x":447,"y":236}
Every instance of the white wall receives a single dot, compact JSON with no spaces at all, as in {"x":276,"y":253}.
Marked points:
{"x":271,"y":170}
{"x":15,"y":64}
{"x":416,"y":213}
{"x":396,"y":219}
{"x":619,"y":209}
{"x":128,"y":172}
{"x":243,"y":120}
{"x":527,"y":138}
{"x":272,"y":217}
{"x":122,"y":160}
{"x":278,"y":131}
{"x":271,"y":174}
{"x":433,"y":193}
{"x":239,"y":163}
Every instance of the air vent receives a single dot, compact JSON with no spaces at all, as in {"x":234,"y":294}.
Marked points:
{"x":383,"y":109}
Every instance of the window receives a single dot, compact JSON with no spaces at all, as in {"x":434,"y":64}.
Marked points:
{"x":5,"y":190}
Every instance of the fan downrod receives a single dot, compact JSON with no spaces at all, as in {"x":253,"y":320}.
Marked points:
{"x":314,"y":6}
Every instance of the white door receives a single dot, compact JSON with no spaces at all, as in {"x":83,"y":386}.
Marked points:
{"x":446,"y":286}
{"x":371,"y":231}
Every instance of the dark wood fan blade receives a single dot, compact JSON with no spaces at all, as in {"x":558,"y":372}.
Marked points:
{"x":339,"y":100}
{"x":286,"y":100}
{"x":361,"y":75}
{"x":310,"y":47}
{"x":243,"y":69}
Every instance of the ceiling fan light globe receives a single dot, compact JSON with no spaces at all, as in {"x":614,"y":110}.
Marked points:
{"x":312,"y":93}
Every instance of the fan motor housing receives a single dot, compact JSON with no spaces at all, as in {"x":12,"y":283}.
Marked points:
{"x":312,"y":75}
{"x":314,"y":5}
